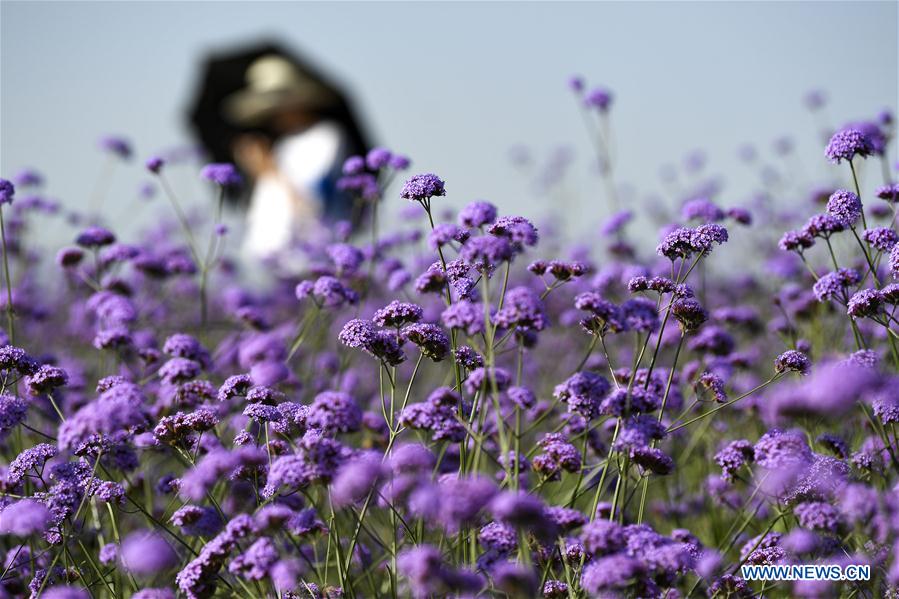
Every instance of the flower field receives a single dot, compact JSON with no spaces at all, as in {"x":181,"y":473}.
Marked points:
{"x":460,"y":404}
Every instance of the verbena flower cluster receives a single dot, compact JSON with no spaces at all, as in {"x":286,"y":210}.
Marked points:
{"x":464,"y":404}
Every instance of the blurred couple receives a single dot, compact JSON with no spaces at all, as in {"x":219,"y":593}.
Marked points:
{"x":289,"y":130}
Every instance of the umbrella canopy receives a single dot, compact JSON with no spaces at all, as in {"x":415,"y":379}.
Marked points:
{"x":224,"y":74}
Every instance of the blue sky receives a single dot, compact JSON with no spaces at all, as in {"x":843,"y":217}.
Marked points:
{"x":455,"y":85}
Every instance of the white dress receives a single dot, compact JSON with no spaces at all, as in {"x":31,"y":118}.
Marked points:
{"x":287,"y":205}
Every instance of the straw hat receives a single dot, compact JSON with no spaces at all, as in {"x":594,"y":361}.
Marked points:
{"x":274,"y":83}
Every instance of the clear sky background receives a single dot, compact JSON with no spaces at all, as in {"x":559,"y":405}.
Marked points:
{"x":455,"y":85}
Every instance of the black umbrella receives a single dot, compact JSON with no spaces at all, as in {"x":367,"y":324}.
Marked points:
{"x":225,"y":73}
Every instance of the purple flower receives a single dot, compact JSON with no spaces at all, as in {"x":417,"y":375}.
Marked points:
{"x":881,"y":238}
{"x":423,"y":187}
{"x":600,"y":98}
{"x":345,"y":257}
{"x":353,"y":165}
{"x":834,"y":284}
{"x":523,"y":309}
{"x":610,"y":573}
{"x":702,"y":209}
{"x":155,"y":164}
{"x":429,"y":338}
{"x":477,"y":214}
{"x":377,"y":158}
{"x":888,"y":193}
{"x":865,"y":303}
{"x":116,"y":145}
{"x":517,"y":229}
{"x":222,"y":174}
{"x":399,"y":162}
{"x":397,"y":313}
{"x":847,"y":144}
{"x":334,"y":412}
{"x":7,"y":191}
{"x":24,"y":518}
{"x":464,"y":315}
{"x":733,"y":456}
{"x":818,"y":516}
{"x":845,"y":207}
{"x":792,"y":360}
{"x":485,"y":252}
{"x":197,"y":521}
{"x":444,"y":233}
{"x":583,"y":392}
{"x":94,"y":237}
{"x":256,"y":561}
{"x":356,"y":479}
{"x":146,"y":553}
{"x":64,"y":592}
{"x":689,"y":313}
{"x":558,"y":454}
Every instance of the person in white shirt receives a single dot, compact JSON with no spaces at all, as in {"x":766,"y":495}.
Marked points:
{"x":293,"y":153}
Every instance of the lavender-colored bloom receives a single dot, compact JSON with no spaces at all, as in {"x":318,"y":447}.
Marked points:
{"x":334,"y":412}
{"x":197,"y":521}
{"x":652,"y":459}
{"x":423,"y":187}
{"x":64,"y":592}
{"x":396,"y":314}
{"x":429,"y":338}
{"x":689,"y":313}
{"x":818,"y":516}
{"x":116,"y":145}
{"x":147,"y":553}
{"x":179,"y":370}
{"x":499,"y":537}
{"x":523,"y":309}
{"x":881,"y":238}
{"x":865,"y":303}
{"x":558,"y":454}
{"x":888,"y":193}
{"x":94,"y":237}
{"x":223,"y":174}
{"x":357,"y":333}
{"x":796,"y":241}
{"x":519,"y":230}
{"x":777,"y":449}
{"x":845,"y":206}
{"x":792,"y":360}
{"x":24,"y":518}
{"x":345,"y":257}
{"x":353,"y":165}
{"x":30,"y":462}
{"x":847,"y":144}
{"x":733,"y":456}
{"x":477,"y":214}
{"x":464,"y":315}
{"x":255,"y":562}
{"x":444,"y":233}
{"x":610,"y":573}
{"x":399,"y":162}
{"x":600,"y":98}
{"x":377,"y":158}
{"x":7,"y":191}
{"x":154,"y":164}
{"x":823,"y":225}
{"x":834,"y":284}
{"x":583,"y":392}
{"x":356,"y":479}
{"x":485,"y":252}
{"x":702,"y":209}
